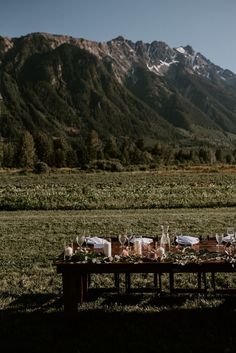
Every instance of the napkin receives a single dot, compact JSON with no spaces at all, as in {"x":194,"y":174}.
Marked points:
{"x":228,"y":239}
{"x":186,"y":240}
{"x":96,"y":241}
{"x":144,"y":240}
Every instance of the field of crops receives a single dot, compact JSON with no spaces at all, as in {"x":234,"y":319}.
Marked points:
{"x":49,"y":210}
{"x":146,"y":190}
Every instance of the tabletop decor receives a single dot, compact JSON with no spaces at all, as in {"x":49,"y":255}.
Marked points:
{"x":178,"y":255}
{"x":205,"y":257}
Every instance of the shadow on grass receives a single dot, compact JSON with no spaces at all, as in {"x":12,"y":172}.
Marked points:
{"x":100,"y":331}
{"x":33,"y":301}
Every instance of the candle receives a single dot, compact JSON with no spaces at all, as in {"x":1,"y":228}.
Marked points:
{"x":125,"y":253}
{"x":138,"y":247}
{"x":68,"y":251}
{"x":160,"y":252}
{"x":107,"y":249}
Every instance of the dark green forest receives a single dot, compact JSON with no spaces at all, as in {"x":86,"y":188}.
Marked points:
{"x":40,"y":151}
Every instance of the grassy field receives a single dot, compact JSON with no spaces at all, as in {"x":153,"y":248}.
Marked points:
{"x":31,"y":316}
{"x":136,"y":190}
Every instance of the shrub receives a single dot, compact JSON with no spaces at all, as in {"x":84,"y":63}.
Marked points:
{"x":41,"y":168}
{"x":112,"y":165}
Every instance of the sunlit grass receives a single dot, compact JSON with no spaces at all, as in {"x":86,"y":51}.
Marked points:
{"x":49,"y":211}
{"x":30,"y":240}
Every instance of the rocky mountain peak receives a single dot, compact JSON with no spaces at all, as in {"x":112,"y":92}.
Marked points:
{"x":189,"y":50}
{"x":157,"y":56}
{"x":119,"y":39}
{"x":5,"y":45}
{"x":175,"y":86}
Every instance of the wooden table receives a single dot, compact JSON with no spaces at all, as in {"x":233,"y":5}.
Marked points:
{"x":75,"y":276}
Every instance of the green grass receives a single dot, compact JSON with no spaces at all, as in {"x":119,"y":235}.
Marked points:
{"x":31,"y":308}
{"x":30,"y":240}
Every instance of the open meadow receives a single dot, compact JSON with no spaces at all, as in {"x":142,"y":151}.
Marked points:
{"x":40,"y":213}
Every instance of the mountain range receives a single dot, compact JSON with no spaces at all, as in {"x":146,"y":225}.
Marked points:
{"x":63,"y":85}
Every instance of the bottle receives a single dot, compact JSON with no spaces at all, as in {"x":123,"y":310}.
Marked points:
{"x":168,"y":239}
{"x":138,"y":245}
{"x":165,"y":239}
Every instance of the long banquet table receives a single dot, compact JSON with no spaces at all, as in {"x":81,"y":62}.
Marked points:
{"x":76,"y":275}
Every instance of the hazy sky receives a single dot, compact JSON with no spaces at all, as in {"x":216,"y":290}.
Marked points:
{"x":209,"y":26}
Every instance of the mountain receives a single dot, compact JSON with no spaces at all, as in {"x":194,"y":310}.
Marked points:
{"x":63,"y":85}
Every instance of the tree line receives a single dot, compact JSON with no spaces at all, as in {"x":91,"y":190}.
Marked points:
{"x":111,"y":154}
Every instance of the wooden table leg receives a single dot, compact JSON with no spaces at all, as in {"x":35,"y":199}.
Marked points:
{"x":205,"y":282}
{"x":89,"y":279}
{"x":127,"y":282}
{"x":117,"y":281}
{"x":155,"y":280}
{"x":157,"y":283}
{"x":70,"y":292}
{"x":171,"y":282}
{"x":160,"y":282}
{"x":199,"y":281}
{"x":84,"y":281}
{"x":213,"y":281}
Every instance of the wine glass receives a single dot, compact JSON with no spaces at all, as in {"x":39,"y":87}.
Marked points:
{"x":129,"y":235}
{"x":86,"y":236}
{"x":219,"y":239}
{"x":80,"y":240}
{"x":122,"y":239}
{"x":230,"y":233}
{"x":177,"y":233}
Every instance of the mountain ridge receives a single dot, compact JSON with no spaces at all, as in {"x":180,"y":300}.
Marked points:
{"x":119,"y":87}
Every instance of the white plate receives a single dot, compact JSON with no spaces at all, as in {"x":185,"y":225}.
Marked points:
{"x":144,"y":240}
{"x":96,"y":241}
{"x":228,"y":239}
{"x":186,"y":240}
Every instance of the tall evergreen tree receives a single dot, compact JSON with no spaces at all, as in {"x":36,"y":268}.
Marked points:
{"x":95,"y":146}
{"x":219,"y":155}
{"x":61,"y":148}
{"x":1,"y":151}
{"x":111,"y":148}
{"x":26,"y":151}
{"x":44,"y":148}
{"x":9,"y":151}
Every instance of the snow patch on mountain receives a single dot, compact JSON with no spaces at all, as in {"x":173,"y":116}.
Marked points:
{"x":181,"y":50}
{"x":162,"y":67}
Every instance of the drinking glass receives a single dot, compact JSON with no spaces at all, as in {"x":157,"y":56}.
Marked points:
{"x":129,"y":235}
{"x":177,"y":233}
{"x":219,"y":238}
{"x":86,"y":236}
{"x":122,"y":239}
{"x":230,"y":233}
{"x":80,"y":240}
